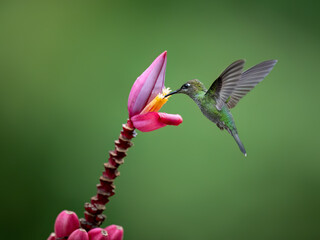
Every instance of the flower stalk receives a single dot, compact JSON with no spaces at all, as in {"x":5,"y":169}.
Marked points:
{"x":146,"y":98}
{"x":93,"y":215}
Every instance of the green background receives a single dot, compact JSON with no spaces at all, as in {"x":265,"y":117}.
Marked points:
{"x":66,"y":69}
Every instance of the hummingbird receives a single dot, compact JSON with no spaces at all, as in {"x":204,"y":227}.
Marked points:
{"x":225,"y":92}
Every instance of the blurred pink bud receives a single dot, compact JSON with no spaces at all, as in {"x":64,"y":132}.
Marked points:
{"x":98,"y":234}
{"x":79,"y":234}
{"x":115,"y":232}
{"x":148,"y":85}
{"x":66,"y":223}
{"x":52,"y":236}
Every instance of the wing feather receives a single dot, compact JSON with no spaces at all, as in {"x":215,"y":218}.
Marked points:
{"x":249,"y":79}
{"x":225,"y":84}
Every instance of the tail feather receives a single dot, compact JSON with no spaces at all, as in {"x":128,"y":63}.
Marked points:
{"x":236,"y":137}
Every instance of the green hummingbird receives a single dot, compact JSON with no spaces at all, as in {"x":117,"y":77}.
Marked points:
{"x":225,"y":92}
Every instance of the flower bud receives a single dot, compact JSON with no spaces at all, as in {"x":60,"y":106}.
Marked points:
{"x":98,"y":234}
{"x":66,"y":223}
{"x":79,"y":234}
{"x":148,"y":85}
{"x":115,"y":232}
{"x":52,"y":236}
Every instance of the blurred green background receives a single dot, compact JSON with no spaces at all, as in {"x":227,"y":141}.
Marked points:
{"x":66,"y":69}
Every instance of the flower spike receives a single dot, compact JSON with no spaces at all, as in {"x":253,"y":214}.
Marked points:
{"x":148,"y":94}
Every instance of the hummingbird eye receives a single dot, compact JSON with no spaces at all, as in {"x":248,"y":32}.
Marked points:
{"x":186,"y":86}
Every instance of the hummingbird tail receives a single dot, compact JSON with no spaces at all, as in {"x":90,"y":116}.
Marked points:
{"x":236,"y":137}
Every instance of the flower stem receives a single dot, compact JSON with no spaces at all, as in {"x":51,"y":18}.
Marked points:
{"x":94,"y":216}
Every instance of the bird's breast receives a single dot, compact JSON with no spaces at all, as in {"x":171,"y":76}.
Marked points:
{"x":209,"y":110}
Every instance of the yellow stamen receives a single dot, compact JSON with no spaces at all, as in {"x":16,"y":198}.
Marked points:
{"x":156,"y":104}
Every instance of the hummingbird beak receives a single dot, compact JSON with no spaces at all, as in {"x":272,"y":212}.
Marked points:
{"x":174,"y":92}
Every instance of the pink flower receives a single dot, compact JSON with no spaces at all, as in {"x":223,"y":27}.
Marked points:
{"x":115,"y":232}
{"x":147,"y":97}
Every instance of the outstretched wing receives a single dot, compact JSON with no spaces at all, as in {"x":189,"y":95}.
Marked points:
{"x":249,"y":79}
{"x":222,"y":88}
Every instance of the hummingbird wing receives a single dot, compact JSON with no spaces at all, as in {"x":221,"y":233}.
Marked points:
{"x":222,"y":88}
{"x":249,"y":79}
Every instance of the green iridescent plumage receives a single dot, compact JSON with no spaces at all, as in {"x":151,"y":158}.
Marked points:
{"x":225,"y":92}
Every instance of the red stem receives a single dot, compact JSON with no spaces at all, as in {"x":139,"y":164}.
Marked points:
{"x":94,"y":216}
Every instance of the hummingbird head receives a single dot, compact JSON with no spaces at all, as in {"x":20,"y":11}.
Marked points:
{"x":190,"y":88}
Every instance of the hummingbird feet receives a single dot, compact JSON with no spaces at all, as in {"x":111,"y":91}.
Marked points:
{"x":219,"y":125}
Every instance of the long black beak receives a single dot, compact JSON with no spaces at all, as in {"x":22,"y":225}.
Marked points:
{"x":174,"y":92}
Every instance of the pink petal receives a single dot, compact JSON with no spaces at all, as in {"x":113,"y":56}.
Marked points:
{"x":148,"y":85}
{"x":159,"y":85}
{"x":153,"y":120}
{"x":170,"y":119}
{"x":147,"y":122}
